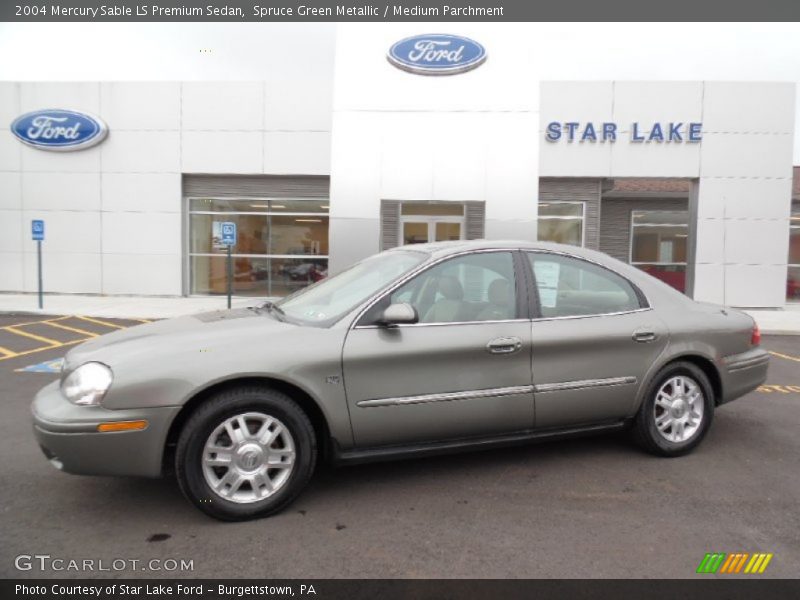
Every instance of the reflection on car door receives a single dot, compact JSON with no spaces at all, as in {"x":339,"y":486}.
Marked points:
{"x":463,"y":371}
{"x":593,"y":341}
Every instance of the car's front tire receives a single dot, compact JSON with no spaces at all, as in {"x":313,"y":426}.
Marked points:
{"x":676,"y":412}
{"x":247,"y":452}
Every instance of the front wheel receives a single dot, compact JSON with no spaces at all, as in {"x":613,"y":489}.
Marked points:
{"x":676,"y":412}
{"x":245,"y":453}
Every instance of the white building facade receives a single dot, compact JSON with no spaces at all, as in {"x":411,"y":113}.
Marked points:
{"x":324,"y":162}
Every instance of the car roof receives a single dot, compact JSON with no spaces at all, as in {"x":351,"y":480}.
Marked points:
{"x":439,"y":249}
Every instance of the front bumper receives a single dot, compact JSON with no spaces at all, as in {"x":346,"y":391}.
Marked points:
{"x":69,"y":438}
{"x":742,"y":373}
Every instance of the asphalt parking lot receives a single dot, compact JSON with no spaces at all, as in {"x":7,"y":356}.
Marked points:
{"x":595,"y":507}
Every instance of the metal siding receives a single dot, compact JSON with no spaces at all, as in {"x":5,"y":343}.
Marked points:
{"x":577,"y":190}
{"x":256,"y":186}
{"x":390,"y":224}
{"x":615,"y":222}
{"x":475,"y":218}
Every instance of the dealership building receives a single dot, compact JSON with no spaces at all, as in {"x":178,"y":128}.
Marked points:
{"x":326,"y":161}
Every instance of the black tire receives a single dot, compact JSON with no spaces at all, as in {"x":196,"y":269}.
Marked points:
{"x":213,"y":413}
{"x":644,"y":431}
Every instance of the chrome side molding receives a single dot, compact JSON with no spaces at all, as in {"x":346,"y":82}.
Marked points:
{"x":448,"y":396}
{"x":582,"y":384}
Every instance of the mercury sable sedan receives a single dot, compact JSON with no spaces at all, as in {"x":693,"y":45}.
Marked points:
{"x":417,"y":350}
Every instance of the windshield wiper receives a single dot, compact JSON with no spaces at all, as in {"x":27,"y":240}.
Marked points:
{"x":271,"y":307}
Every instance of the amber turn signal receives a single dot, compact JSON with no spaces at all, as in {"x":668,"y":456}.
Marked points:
{"x":122,"y":426}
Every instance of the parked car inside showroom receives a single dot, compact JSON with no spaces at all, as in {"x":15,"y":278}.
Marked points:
{"x":417,"y":350}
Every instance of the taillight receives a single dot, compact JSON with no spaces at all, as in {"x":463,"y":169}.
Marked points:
{"x":755,"y":337}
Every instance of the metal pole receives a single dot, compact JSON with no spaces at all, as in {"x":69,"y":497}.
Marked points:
{"x":230,"y":276}
{"x":39,"y":260}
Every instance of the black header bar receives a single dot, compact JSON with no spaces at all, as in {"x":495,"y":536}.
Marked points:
{"x":399,"y":11}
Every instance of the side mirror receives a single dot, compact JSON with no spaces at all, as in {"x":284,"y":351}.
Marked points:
{"x":399,"y":314}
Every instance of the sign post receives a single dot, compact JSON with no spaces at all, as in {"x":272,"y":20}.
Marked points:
{"x":229,"y":241}
{"x":37,"y":235}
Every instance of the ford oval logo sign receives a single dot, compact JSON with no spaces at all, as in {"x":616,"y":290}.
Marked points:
{"x":437,"y":54}
{"x":57,"y":129}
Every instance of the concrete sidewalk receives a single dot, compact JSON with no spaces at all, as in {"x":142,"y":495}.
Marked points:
{"x":122,"y":307}
{"x":786,"y":321}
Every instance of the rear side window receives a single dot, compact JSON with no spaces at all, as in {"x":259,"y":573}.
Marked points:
{"x":569,"y":287}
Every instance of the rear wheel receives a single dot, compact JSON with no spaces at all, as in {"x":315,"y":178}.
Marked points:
{"x":677,"y":411}
{"x":245,"y":453}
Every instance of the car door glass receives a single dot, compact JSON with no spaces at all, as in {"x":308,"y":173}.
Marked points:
{"x":570,"y":287}
{"x":475,"y":287}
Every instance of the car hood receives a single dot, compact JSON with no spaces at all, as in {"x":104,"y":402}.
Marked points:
{"x":195,"y":333}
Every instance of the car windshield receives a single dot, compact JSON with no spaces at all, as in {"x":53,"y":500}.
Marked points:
{"x":327,"y":301}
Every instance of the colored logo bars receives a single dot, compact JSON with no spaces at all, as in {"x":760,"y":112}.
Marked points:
{"x":737,"y":562}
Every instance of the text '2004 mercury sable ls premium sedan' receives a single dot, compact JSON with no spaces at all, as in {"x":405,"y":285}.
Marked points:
{"x":420,"y":349}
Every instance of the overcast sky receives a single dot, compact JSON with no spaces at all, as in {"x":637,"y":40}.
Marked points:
{"x":645,"y":51}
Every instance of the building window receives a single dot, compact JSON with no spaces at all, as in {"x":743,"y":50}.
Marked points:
{"x":658,"y":244}
{"x":281,"y":246}
{"x":793,"y":276}
{"x":422,"y":222}
{"x":561,"y":222}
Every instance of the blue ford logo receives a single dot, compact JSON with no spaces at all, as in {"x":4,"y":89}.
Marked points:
{"x":437,"y":54}
{"x":57,"y":129}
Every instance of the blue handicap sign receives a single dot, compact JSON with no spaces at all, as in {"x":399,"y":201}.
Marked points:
{"x":228,"y":233}
{"x":37,"y":230}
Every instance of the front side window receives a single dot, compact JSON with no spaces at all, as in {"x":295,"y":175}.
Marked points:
{"x":658,"y":244}
{"x":561,"y":222}
{"x":470,"y":288}
{"x":570,"y":287}
{"x":327,"y":301}
{"x":793,"y":276}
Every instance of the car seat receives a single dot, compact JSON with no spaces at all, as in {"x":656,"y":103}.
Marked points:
{"x":501,"y":302}
{"x":448,"y":309}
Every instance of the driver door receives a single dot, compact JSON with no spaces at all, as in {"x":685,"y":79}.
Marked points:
{"x":464,"y":370}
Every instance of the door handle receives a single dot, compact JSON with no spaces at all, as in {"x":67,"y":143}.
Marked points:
{"x":504,"y":345}
{"x":644,"y":335}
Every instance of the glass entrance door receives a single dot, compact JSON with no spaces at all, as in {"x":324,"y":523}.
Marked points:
{"x":446,"y":231}
{"x":415,"y":232}
{"x":422,"y":232}
{"x":423,"y":222}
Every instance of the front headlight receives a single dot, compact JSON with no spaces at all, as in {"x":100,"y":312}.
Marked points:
{"x":87,"y":384}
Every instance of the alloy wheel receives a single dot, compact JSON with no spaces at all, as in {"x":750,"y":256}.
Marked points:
{"x":248,"y":457}
{"x":679,"y":408}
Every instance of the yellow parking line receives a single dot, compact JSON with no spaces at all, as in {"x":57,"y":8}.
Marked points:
{"x":786,"y":356}
{"x":41,"y":349}
{"x":33,"y":336}
{"x":75,"y":329}
{"x":99,"y":322}
{"x":36,"y":322}
{"x":7,"y":352}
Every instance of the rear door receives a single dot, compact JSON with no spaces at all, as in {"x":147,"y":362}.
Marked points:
{"x":463,"y":371}
{"x":594,"y":339}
